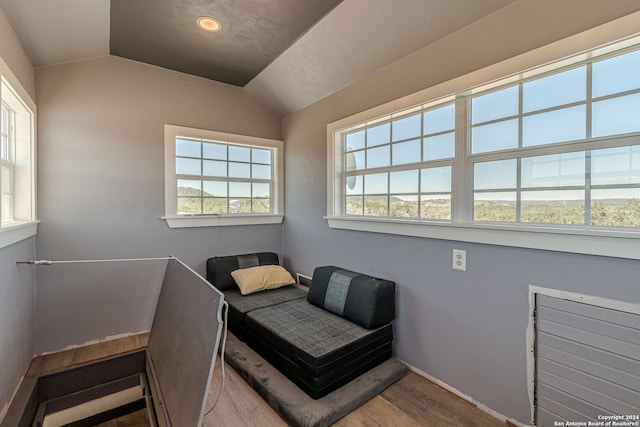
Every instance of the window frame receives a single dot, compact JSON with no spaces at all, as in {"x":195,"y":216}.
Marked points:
{"x":618,"y":242}
{"x":24,"y":224}
{"x":587,"y":144}
{"x":175,"y":220}
{"x":418,"y":166}
{"x":7,"y":161}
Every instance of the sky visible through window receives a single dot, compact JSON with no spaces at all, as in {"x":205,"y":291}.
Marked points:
{"x":220,"y":178}
{"x":558,"y":114}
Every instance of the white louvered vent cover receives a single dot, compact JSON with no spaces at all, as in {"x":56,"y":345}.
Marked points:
{"x":587,"y":362}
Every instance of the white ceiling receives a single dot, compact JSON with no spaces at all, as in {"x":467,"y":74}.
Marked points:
{"x":353,"y":40}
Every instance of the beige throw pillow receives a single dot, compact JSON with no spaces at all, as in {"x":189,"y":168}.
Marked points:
{"x":263,"y":277}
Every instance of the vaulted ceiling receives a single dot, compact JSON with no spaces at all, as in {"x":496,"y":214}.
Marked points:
{"x":287,"y":53}
{"x":252,"y":34}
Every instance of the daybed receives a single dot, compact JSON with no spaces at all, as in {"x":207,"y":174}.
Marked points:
{"x":320,"y":339}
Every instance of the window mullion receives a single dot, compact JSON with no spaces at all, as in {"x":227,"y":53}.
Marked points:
{"x":422,"y":132}
{"x":202,"y":174}
{"x":520,"y":145}
{"x":519,"y":190}
{"x":251,"y":185}
{"x":587,"y":157}
{"x":587,"y":189}
{"x":388,"y":194}
{"x":462,"y":182}
{"x":228,"y":196}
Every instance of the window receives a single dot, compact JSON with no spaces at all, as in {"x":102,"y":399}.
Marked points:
{"x":17,"y":163}
{"x":213,"y":178}
{"x":401,"y":168}
{"x":536,"y":147}
{"x":7,"y":163}
{"x":551,"y":150}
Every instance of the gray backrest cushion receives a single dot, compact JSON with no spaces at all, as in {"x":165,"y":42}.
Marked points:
{"x":365,"y":300}
{"x":219,"y":268}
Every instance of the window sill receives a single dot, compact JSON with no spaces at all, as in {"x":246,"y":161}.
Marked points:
{"x":14,"y":232}
{"x":603,"y":242}
{"x":221,"y":220}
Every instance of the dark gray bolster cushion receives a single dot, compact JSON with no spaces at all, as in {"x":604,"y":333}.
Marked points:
{"x":219,"y":268}
{"x":362,"y":299}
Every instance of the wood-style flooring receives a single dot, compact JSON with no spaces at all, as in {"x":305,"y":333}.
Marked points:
{"x":412,"y":401}
{"x":52,"y":362}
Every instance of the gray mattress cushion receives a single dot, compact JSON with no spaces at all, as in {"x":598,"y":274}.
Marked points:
{"x":240,"y":305}
{"x":304,"y":332}
{"x":246,"y":303}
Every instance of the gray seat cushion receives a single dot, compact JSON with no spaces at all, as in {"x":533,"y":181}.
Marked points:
{"x":310,"y":335}
{"x":315,"y":349}
{"x":240,"y":305}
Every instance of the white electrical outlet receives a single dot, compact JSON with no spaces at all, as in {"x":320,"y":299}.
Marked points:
{"x":459,"y":260}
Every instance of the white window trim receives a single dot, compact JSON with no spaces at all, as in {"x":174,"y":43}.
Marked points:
{"x":18,"y":230}
{"x":605,"y":242}
{"x":170,"y":197}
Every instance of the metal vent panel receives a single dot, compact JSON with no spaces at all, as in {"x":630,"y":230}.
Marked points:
{"x":587,"y":361}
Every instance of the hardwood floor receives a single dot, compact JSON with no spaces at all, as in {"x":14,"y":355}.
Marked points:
{"x":415,"y":401}
{"x":412,"y":401}
{"x":239,"y":405}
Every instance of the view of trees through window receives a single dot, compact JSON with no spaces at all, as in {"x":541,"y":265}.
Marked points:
{"x":563,"y":148}
{"x":219,"y":178}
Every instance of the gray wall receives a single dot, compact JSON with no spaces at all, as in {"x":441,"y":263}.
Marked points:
{"x":16,"y":282}
{"x":14,"y":56}
{"x":87,"y":302}
{"x":101,"y":173}
{"x":464,"y":328}
{"x":16,"y":317}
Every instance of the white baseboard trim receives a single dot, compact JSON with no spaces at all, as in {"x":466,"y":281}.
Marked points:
{"x":482,"y":407}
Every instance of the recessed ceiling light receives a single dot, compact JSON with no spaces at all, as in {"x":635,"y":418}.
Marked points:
{"x":208,"y":24}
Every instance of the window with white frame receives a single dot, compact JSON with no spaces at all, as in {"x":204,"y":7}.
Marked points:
{"x":17,"y":164}
{"x":560,"y":149}
{"x":7,"y":162}
{"x":214,"y":178}
{"x":555,"y":149}
{"x":401,"y":168}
